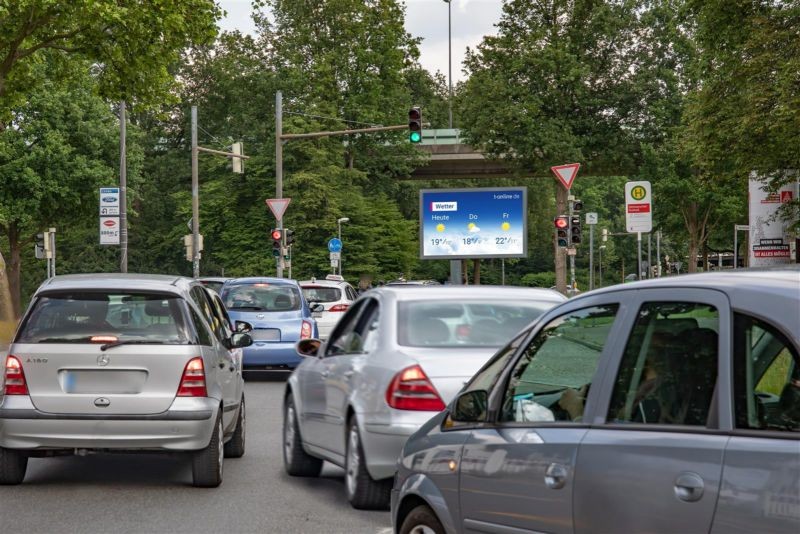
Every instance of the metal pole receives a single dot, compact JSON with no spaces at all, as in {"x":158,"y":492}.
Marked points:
{"x":450,"y":63}
{"x":52,"y":237}
{"x":279,"y":166}
{"x":502,"y":271}
{"x":195,"y":200}
{"x":591,"y":257}
{"x":649,"y":261}
{"x":339,"y":261}
{"x":571,"y":256}
{"x":639,"y":255}
{"x":123,"y":190}
{"x":658,"y":252}
{"x":600,"y":268}
{"x":735,"y":247}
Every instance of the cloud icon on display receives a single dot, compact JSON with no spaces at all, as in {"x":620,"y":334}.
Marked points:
{"x":472,"y":227}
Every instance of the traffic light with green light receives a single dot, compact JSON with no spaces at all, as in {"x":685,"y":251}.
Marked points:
{"x":415,"y":125}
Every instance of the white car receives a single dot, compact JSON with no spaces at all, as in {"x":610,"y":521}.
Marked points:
{"x":334,"y":294}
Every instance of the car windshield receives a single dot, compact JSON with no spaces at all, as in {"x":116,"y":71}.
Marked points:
{"x":322,"y":293}
{"x":82,"y":317}
{"x":213,"y":284}
{"x":261,"y":297}
{"x":451,"y":323}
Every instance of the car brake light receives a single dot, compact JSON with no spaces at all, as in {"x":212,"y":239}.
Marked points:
{"x":305,"y":330}
{"x":339,"y":308}
{"x":193,"y":381}
{"x":15,"y":377}
{"x":103,"y":339}
{"x":412,"y":390}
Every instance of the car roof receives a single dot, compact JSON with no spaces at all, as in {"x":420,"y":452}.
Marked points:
{"x":417,"y":292}
{"x":213,"y":279}
{"x":261,"y":280}
{"x":325,"y":283}
{"x":117,"y":281}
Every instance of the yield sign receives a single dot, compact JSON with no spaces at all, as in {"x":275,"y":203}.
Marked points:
{"x":278,"y":206}
{"x":566,"y":173}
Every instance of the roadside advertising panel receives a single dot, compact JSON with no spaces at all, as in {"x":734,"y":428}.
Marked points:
{"x":770,"y":242}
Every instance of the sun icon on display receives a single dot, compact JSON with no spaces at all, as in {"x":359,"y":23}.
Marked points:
{"x":440,"y":227}
{"x":506,"y":226}
{"x":473,"y":228}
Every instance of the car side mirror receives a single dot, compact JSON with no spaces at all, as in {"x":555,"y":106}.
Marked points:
{"x":316,"y":307}
{"x":308,"y":348}
{"x":243,"y":327}
{"x":240,"y":340}
{"x":470,"y":407}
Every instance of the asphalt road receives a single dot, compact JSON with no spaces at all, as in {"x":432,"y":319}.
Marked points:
{"x":152,"y":493}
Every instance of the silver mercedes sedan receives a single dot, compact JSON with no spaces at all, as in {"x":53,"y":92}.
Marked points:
{"x":393,"y":361}
{"x":110,"y":362}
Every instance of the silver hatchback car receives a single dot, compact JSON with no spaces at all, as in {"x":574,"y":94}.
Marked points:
{"x":671,"y":405}
{"x":394,"y":360}
{"x":105,"y":363}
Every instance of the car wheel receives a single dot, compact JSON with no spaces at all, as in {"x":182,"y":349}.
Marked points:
{"x":421,"y":520}
{"x":296,"y":461}
{"x":362,"y":492}
{"x":13,"y":465}
{"x":235,"y":447}
{"x":207,"y":463}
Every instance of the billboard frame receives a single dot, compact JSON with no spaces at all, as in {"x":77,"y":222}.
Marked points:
{"x":520,"y":189}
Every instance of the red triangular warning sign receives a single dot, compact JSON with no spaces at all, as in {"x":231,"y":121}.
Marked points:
{"x":278,"y":206}
{"x":566,"y":173}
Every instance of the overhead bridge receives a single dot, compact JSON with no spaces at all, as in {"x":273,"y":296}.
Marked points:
{"x":451,"y":158}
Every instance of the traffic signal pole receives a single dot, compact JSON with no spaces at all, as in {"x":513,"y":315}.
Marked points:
{"x":571,"y":201}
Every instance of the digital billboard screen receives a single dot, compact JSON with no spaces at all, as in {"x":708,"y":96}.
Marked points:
{"x":473,"y":223}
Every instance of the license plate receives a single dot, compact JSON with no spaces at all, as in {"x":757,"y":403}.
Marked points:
{"x":102,"y":381}
{"x":266,"y":334}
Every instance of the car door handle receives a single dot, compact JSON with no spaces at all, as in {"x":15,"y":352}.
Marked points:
{"x":325,"y":373}
{"x":348,"y":374}
{"x":556,"y":476}
{"x":689,"y":487}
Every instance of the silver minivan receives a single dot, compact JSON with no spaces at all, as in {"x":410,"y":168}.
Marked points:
{"x":671,"y":405}
{"x":113,"y":362}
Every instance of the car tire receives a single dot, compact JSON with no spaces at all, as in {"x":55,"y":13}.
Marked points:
{"x":296,"y":461}
{"x":207,"y":463}
{"x":363,"y":492}
{"x":13,"y":465}
{"x":422,"y":520}
{"x":235,"y":446}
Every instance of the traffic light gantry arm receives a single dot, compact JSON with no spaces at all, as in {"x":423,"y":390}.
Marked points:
{"x":344,"y":132}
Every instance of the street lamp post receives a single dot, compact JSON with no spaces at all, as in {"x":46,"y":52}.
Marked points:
{"x":339,"y":224}
{"x":600,"y":274}
{"x":449,"y":64}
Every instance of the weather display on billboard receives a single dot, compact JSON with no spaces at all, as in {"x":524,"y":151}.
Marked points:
{"x":473,"y":223}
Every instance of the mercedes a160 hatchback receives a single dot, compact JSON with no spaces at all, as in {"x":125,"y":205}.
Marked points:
{"x":122,"y":363}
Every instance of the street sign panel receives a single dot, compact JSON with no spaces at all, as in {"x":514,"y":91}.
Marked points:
{"x":109,"y":230}
{"x":638,"y":207}
{"x":591,"y":218}
{"x":336,"y":255}
{"x":335,"y":245}
{"x":473,"y":223}
{"x":566,"y":173}
{"x":278,"y":206}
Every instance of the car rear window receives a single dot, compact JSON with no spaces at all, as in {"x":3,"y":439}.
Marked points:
{"x":322,"y":293}
{"x":77,"y":317}
{"x":480,"y":323}
{"x":261,"y":297}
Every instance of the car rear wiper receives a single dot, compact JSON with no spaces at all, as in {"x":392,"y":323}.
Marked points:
{"x":256,"y":308}
{"x":136,"y":342}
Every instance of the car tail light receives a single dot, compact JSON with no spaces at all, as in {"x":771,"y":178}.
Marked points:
{"x":339,"y":308}
{"x":305,"y":330}
{"x":412,"y":390}
{"x":15,"y":377}
{"x":193,"y":381}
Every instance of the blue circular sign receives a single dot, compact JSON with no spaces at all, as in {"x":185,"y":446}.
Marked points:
{"x":335,"y":245}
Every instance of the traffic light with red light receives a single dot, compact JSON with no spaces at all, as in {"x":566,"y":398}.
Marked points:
{"x":562,"y":230}
{"x":277,"y":241}
{"x":415,"y":124}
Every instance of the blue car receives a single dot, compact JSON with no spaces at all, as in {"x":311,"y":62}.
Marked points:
{"x":279,"y":315}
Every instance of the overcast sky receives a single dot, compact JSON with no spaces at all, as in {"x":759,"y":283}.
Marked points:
{"x":472,"y":19}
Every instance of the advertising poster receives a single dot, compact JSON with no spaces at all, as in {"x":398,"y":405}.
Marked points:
{"x":770,"y":242}
{"x":473,"y":223}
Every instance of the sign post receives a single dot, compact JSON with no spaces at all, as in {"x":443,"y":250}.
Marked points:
{"x":566,"y":175}
{"x":591,"y":220}
{"x":335,"y":249}
{"x":638,"y":214}
{"x":109,"y":216}
{"x":278,"y":207}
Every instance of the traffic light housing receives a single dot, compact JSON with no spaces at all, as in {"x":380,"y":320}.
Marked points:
{"x":561,"y":224}
{"x":415,"y":125}
{"x":577,"y":205}
{"x":575,"y":229}
{"x":237,"y":164}
{"x":289,"y":237}
{"x":277,"y":241}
